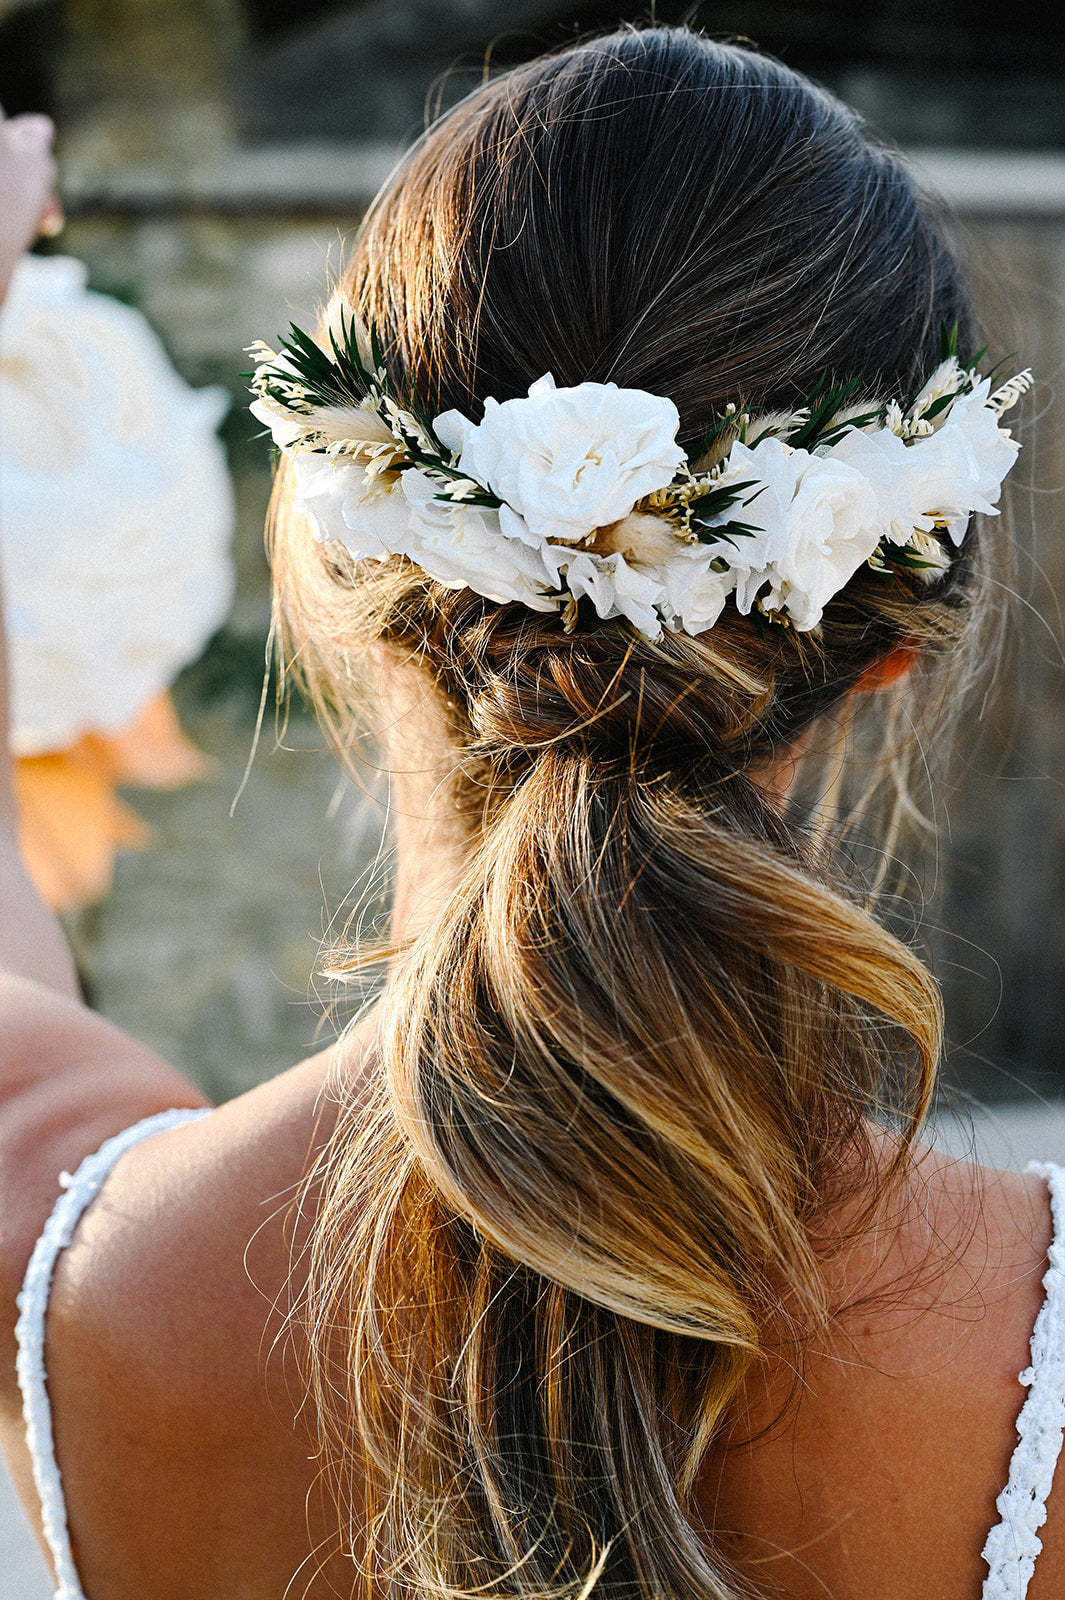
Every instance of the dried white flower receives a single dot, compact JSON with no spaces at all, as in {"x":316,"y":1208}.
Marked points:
{"x":933,"y":559}
{"x":817,"y":517}
{"x":1010,"y":392}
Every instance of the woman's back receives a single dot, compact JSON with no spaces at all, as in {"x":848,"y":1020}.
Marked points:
{"x":875,"y":1461}
{"x":187,"y":1467}
{"x":867,"y":1466}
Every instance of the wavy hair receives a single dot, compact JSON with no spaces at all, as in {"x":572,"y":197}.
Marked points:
{"x":620,"y":1076}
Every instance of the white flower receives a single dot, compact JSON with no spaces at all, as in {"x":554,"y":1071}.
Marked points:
{"x":940,"y":479}
{"x":948,"y":378}
{"x":568,"y":461}
{"x":817,"y":521}
{"x":285,"y":427}
{"x":989,"y":452}
{"x":515,"y":527}
{"x":695,"y":592}
{"x":463,"y":546}
{"x":284,"y":417}
{"x":339,"y":502}
{"x":567,"y":469}
{"x":617,"y":590}
{"x":906,"y":479}
{"x":832,"y":530}
{"x":116,"y":508}
{"x":750,"y":556}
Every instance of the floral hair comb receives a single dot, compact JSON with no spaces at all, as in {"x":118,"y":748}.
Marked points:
{"x":583,"y":492}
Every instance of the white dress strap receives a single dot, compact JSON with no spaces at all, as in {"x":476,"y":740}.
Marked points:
{"x":1014,"y":1542}
{"x":78,"y":1192}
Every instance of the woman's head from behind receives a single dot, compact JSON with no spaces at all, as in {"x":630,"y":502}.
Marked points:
{"x":633,"y":1055}
{"x":667,"y":214}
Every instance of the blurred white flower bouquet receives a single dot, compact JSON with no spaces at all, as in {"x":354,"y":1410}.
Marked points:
{"x":116,"y":512}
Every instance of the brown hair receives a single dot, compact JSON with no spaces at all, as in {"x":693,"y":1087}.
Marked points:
{"x":633,"y":1056}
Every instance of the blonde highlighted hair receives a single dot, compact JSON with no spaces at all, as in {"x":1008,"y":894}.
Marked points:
{"x":621,"y":1075}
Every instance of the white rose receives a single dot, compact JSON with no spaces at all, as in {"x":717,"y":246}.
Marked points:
{"x":893,"y":470}
{"x":751,"y":556}
{"x":832,"y":531}
{"x":464,"y":547}
{"x":971,"y":434}
{"x":569,"y":460}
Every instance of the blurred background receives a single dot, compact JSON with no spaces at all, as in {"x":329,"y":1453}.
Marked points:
{"x":214,"y":154}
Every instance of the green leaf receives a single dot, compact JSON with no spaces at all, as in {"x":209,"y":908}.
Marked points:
{"x":903,"y":556}
{"x":834,"y":434}
{"x":939,"y":405}
{"x":715,"y":501}
{"x":341,"y":382}
{"x":723,"y":533}
{"x":948,"y":341}
{"x":823,"y":405}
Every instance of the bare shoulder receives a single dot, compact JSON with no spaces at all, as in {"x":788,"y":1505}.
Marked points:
{"x":202,"y":1217}
{"x":69,"y":1079}
{"x":871,"y":1464}
{"x":173,"y":1362}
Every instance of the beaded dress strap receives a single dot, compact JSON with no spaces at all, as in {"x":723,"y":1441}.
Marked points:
{"x":78,"y":1192}
{"x":1014,"y":1542}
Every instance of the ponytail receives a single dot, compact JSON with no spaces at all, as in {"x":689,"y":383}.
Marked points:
{"x":615,"y":1081}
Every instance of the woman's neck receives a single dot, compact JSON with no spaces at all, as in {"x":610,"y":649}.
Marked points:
{"x":428,"y":827}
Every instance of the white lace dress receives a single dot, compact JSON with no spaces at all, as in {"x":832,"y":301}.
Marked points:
{"x":1012,"y":1545}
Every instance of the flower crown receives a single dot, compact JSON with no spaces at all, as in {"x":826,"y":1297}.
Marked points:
{"x":584,"y":492}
